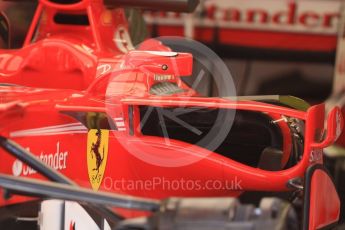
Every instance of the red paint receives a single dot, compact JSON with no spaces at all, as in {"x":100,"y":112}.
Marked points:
{"x":277,"y":40}
{"x":263,"y":39}
{"x":72,"y":226}
{"x":80,"y":69}
{"x":310,"y":19}
{"x":324,"y":201}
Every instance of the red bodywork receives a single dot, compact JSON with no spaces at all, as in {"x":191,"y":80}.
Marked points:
{"x":323,"y":208}
{"x":81,"y":69}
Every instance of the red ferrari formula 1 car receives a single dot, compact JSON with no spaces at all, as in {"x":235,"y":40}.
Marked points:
{"x":81,"y":107}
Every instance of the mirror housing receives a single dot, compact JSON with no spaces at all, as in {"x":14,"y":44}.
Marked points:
{"x":335,"y":124}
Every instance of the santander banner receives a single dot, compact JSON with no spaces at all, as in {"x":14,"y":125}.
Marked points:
{"x":259,"y":23}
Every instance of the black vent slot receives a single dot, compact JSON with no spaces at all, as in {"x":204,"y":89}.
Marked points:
{"x":72,"y":19}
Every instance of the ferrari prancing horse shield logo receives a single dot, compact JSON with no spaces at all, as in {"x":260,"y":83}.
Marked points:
{"x":97,"y":153}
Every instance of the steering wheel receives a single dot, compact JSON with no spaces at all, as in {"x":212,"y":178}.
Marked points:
{"x":82,"y":4}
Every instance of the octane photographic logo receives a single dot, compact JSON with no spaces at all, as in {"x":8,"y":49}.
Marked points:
{"x":168,"y":145}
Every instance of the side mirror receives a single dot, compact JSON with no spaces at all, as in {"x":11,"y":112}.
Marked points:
{"x":5,"y":37}
{"x":335,"y":124}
